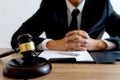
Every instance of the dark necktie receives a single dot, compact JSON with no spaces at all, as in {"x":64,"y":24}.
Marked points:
{"x":73,"y":24}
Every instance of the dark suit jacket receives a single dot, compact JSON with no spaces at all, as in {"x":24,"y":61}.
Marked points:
{"x":98,"y":16}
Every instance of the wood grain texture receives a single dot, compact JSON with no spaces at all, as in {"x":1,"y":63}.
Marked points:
{"x":73,"y":71}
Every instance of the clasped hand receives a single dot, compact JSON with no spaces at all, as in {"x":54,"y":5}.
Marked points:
{"x":77,"y":40}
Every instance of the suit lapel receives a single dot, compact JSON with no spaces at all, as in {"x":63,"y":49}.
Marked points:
{"x":63,"y":17}
{"x":84,"y":22}
{"x":61,"y":13}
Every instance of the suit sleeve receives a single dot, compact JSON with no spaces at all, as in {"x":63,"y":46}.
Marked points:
{"x":34,"y":25}
{"x":112,"y":25}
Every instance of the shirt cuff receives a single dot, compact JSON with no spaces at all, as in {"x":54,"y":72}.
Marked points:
{"x":42,"y":45}
{"x":110,"y":45}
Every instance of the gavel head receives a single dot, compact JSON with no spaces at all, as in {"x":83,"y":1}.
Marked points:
{"x":23,"y":38}
{"x":25,"y":43}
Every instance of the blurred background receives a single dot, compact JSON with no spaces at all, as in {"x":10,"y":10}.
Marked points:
{"x":14,"y":12}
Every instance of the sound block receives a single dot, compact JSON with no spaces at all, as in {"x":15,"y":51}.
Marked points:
{"x":20,"y":68}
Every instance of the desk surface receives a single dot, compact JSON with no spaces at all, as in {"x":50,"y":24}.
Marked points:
{"x":73,"y":71}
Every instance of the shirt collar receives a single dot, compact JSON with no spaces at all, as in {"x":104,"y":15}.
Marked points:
{"x":71,"y":7}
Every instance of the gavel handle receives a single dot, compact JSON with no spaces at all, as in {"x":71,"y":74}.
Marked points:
{"x":16,"y":50}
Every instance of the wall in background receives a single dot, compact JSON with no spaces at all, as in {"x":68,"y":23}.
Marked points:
{"x":14,"y":12}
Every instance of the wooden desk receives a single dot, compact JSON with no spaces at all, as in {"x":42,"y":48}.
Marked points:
{"x":74,"y":71}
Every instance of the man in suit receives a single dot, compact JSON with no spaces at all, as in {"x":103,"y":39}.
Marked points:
{"x":54,"y":18}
